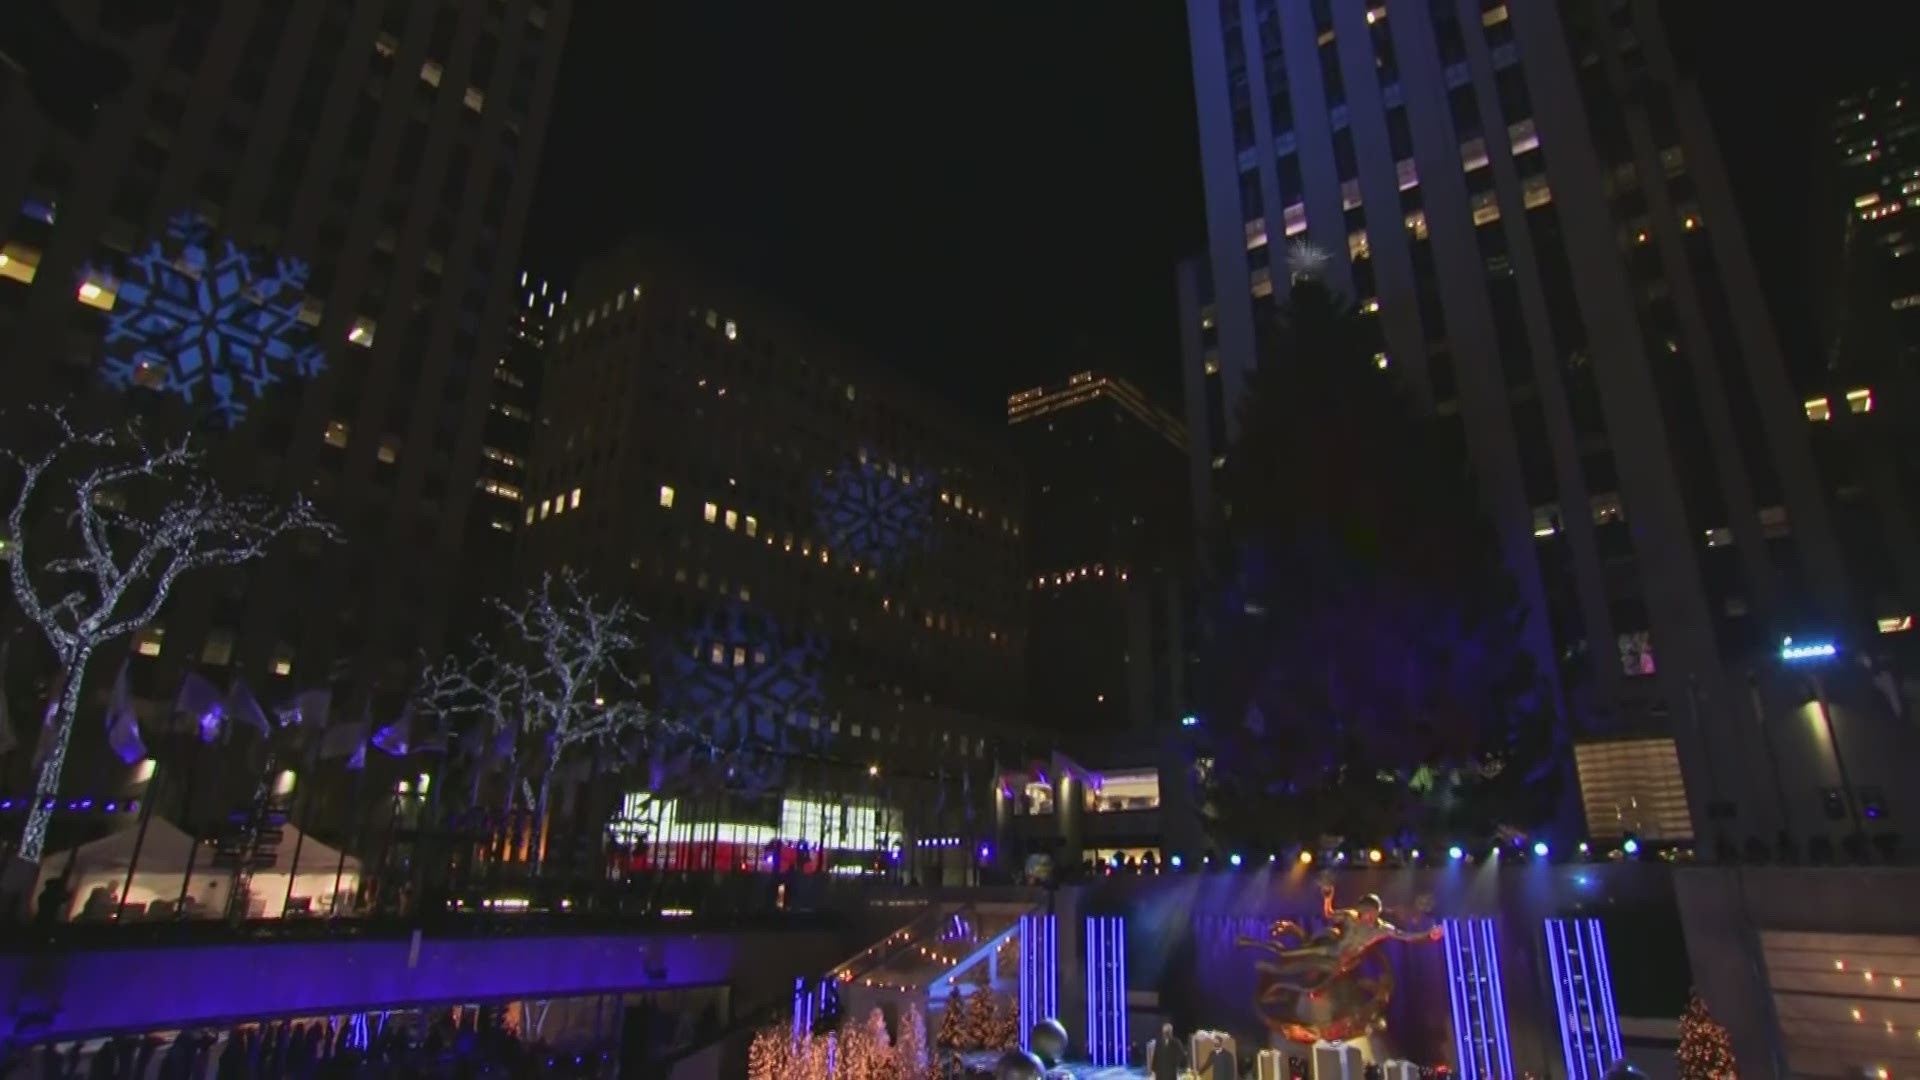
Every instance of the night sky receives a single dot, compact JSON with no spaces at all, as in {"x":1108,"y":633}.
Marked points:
{"x":987,"y":197}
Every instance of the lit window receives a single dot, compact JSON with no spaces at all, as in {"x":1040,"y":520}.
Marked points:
{"x":733,"y":330}
{"x":500,"y":490}
{"x":1220,"y":461}
{"x":1256,"y":233}
{"x":283,"y":659}
{"x":1473,"y":154}
{"x":1211,"y":364}
{"x":18,"y":262}
{"x":1494,"y":16}
{"x":713,"y":319}
{"x":1370,"y":306}
{"x":1773,"y":522}
{"x":312,"y":309}
{"x":1375,"y":14}
{"x":1523,"y":136}
{"x":733,"y":520}
{"x":1868,"y":199}
{"x":218,"y":649}
{"x":753,"y":526}
{"x":1417,"y":224}
{"x":1408,"y":174}
{"x":1207,"y":316}
{"x":361,"y":333}
{"x":1486,"y":208}
{"x":1690,"y":219}
{"x":575,"y":499}
{"x":1350,"y":195}
{"x":1381,"y":361}
{"x":386,"y":45}
{"x":1860,"y":400}
{"x":149,"y":640}
{"x":1293,"y":219}
{"x":1357,"y":246}
{"x":1819,"y":410}
{"x":1535,"y":193}
{"x":337,"y":434}
{"x":389,"y":451}
{"x":476,"y":99}
{"x":1607,"y":508}
{"x":1721,"y":537}
{"x":430,"y":72}
{"x":1263,"y":282}
{"x":711,"y":513}
{"x":98,"y":290}
{"x":529,"y":515}
{"x":546,"y":508}
{"x":1896,"y":624}
{"x":666,"y":497}
{"x":1900,"y":303}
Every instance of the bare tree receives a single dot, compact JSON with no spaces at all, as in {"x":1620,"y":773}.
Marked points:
{"x":140,"y":516}
{"x":563,"y":670}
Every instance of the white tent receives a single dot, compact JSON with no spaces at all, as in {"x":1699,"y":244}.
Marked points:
{"x":162,"y":863}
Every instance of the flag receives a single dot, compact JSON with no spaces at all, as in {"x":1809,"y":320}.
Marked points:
{"x":397,"y":738}
{"x":7,"y":738}
{"x":202,"y":703}
{"x":123,"y":727}
{"x":242,"y":708}
{"x":359,"y":759}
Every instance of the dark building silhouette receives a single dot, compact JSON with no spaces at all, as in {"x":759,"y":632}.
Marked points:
{"x":1108,"y":532}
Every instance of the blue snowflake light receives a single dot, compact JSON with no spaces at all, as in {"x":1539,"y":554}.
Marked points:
{"x":198,"y":318}
{"x":736,"y":675}
{"x":874,"y":511}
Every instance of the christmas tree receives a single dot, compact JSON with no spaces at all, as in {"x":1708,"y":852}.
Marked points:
{"x":1706,"y":1052}
{"x":910,"y":1049}
{"x":771,"y":1056}
{"x":1005,"y":1034}
{"x":952,"y":1026}
{"x":857,"y":1057}
{"x":977,"y":1025}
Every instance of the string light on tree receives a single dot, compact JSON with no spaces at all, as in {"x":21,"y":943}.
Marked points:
{"x":141,"y":516}
{"x":1706,"y":1051}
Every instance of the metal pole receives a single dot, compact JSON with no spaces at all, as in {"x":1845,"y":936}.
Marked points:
{"x":140,"y":838}
{"x":299,"y":838}
{"x":186,"y":823}
{"x":340,"y":868}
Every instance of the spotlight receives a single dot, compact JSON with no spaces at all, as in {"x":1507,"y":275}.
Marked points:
{"x":1306,"y":858}
{"x":1583,"y":847}
{"x":1273,"y":858}
{"x":1174,"y":862}
{"x":1455,"y":853}
{"x":1631,"y":846}
{"x":1540,"y":849}
{"x":1374,"y":856}
{"x":1340,"y":857}
{"x":1414,"y":854}
{"x":1234,"y":858}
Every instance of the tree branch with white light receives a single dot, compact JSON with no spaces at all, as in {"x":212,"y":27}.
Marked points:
{"x":142,"y":516}
{"x":562,"y":668}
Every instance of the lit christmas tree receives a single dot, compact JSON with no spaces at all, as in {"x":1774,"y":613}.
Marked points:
{"x":771,"y":1055}
{"x":1005,"y":1034}
{"x":910,"y":1049}
{"x":1706,"y":1051}
{"x":977,"y":1025}
{"x":952,"y":1025}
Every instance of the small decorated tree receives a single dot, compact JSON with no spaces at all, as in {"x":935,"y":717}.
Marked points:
{"x":1005,"y":1033}
{"x":1706,"y":1051}
{"x":910,"y":1049}
{"x":771,"y":1055}
{"x":856,"y":1057}
{"x":952,"y":1024}
{"x":978,"y":1025}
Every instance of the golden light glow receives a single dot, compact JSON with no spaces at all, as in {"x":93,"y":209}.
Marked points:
{"x":1306,"y":858}
{"x":1374,"y":855}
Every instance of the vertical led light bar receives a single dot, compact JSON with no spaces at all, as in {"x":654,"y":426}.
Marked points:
{"x":1106,"y":938}
{"x":1477,"y":999}
{"x":1583,"y":994}
{"x":1039,"y":972}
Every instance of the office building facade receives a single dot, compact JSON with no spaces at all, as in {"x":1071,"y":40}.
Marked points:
{"x":506,"y":440}
{"x":1529,"y":199}
{"x":831,"y":565}
{"x":392,"y":148}
{"x":1107,"y":541}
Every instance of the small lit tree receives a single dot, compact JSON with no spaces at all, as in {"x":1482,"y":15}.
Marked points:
{"x":564,"y":669}
{"x":141,"y":516}
{"x":771,"y":1055}
{"x":953,"y":1025}
{"x":1706,"y":1051}
{"x":910,"y":1049}
{"x":980,"y":1022}
{"x":1005,"y":1033}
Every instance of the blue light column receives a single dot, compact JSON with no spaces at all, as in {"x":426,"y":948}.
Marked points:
{"x":1479,"y":1003}
{"x":1106,"y":944}
{"x":1039,"y":972}
{"x":1583,"y":996}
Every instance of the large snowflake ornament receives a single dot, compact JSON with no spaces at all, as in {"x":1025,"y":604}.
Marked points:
{"x":198,"y":318}
{"x":738,"y":676}
{"x":874,"y":511}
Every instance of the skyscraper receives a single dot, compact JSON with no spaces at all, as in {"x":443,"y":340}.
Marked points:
{"x":830,"y":563}
{"x":390,"y":145}
{"x":1530,"y":199}
{"x":1106,"y":534}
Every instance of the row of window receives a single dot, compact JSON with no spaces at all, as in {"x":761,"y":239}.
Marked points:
{"x":558,"y":504}
{"x":1820,"y":409}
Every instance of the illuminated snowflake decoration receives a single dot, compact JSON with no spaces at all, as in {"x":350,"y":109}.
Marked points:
{"x":738,"y":676}
{"x":1307,"y":260}
{"x":198,"y":318}
{"x":872,"y":511}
